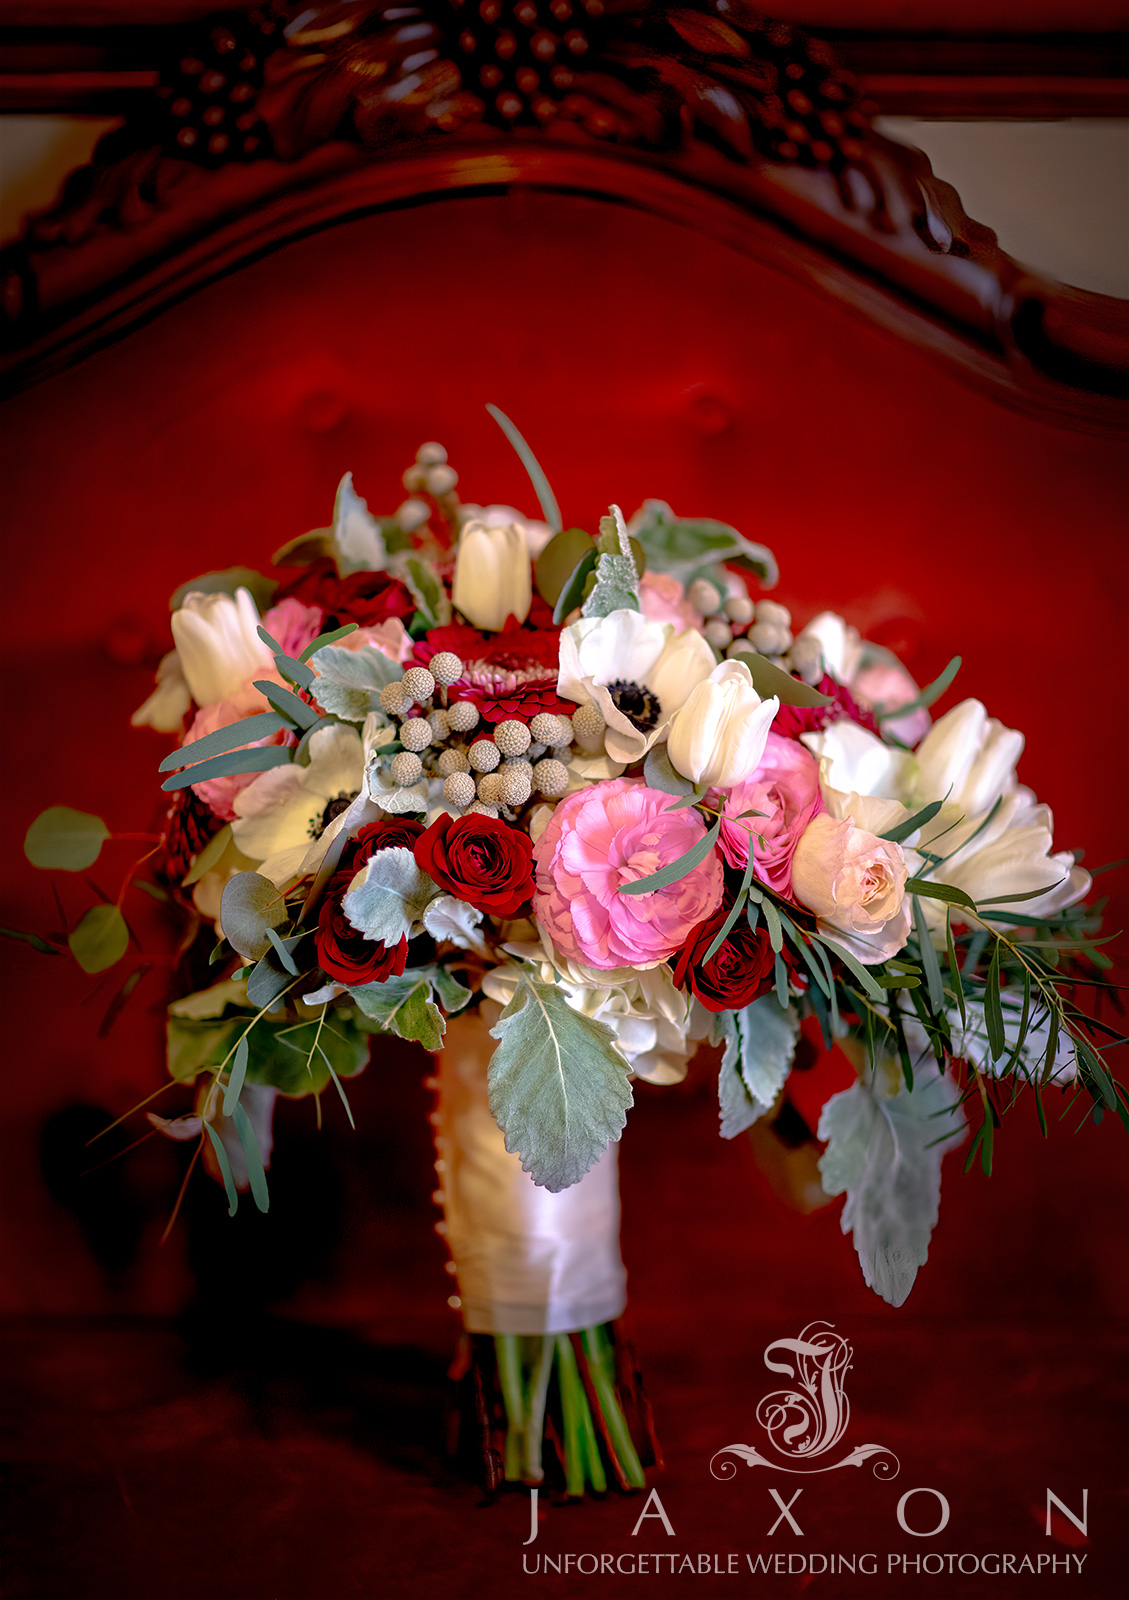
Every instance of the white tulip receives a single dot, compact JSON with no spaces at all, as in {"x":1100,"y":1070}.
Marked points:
{"x":217,"y":643}
{"x":968,"y":759}
{"x":718,"y":737}
{"x":493,"y":579}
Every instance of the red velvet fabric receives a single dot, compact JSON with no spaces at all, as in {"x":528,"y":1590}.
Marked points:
{"x":639,"y":361}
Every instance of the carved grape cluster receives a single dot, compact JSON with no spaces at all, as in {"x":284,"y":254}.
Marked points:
{"x":208,"y":95}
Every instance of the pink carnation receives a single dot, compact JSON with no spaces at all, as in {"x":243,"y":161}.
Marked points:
{"x":615,"y":833}
{"x":293,"y":625}
{"x":785,"y":789}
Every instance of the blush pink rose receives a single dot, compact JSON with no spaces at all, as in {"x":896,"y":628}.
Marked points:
{"x":785,"y":788}
{"x":218,"y":794}
{"x":293,"y":625}
{"x":855,"y":884}
{"x":390,"y":637}
{"x":889,"y":685}
{"x":615,"y":833}
{"x":663,"y":599}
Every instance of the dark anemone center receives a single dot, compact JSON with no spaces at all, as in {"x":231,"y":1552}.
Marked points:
{"x":638,"y":705}
{"x":341,"y":803}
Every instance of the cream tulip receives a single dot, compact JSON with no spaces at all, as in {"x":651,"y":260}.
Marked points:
{"x":218,"y":645}
{"x":493,"y":579}
{"x":719,"y":735}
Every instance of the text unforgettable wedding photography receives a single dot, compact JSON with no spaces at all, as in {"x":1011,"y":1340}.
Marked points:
{"x":567,"y":606}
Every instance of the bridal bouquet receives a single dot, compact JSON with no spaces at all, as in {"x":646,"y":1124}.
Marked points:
{"x":595,"y":792}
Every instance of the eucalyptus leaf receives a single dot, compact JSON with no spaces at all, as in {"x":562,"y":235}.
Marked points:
{"x":244,"y":732}
{"x":324,"y":639}
{"x":572,"y":593}
{"x":911,"y":824}
{"x":236,"y":1079}
{"x":280,"y":1055}
{"x":63,"y":840}
{"x":676,"y":869}
{"x":884,"y":1154}
{"x":260,"y":758}
{"x":253,"y":1157}
{"x":865,"y":978}
{"x":558,"y":561}
{"x":558,"y":1087}
{"x":249,"y":906}
{"x":929,"y":963}
{"x":288,"y":705}
{"x":225,"y":1169}
{"x":659,"y":772}
{"x":770,"y":680}
{"x":349,"y":682}
{"x":932,"y":692}
{"x":33,"y":939}
{"x":100,"y":939}
{"x":547,"y":499}
{"x":209,"y":855}
{"x":939,"y":891}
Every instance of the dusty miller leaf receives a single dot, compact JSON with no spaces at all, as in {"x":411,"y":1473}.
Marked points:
{"x":558,"y":1087}
{"x":404,"y":1006}
{"x":349,"y":682}
{"x":681,"y":545}
{"x":389,"y":895}
{"x":615,"y":588}
{"x":356,"y":532}
{"x":768,"y":1036}
{"x":881,"y":1153}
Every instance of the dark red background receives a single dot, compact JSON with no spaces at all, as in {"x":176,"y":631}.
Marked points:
{"x":283,"y":1437}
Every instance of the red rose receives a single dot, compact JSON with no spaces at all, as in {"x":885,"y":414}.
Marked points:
{"x":480,"y":860}
{"x":347,"y":955}
{"x":741,"y":970}
{"x":366,"y":598}
{"x":390,"y":833}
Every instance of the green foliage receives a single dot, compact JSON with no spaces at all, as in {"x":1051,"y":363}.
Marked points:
{"x":659,"y":772}
{"x":759,"y":1042}
{"x":769,"y":680}
{"x":261,"y":758}
{"x":260,"y":588}
{"x":932,"y":692}
{"x":294,"y":1057}
{"x":324,"y":639}
{"x":297,"y":713}
{"x":237,"y":734}
{"x":33,"y":939}
{"x":432,"y":602}
{"x":558,"y":1087}
{"x":404,"y":1005}
{"x":100,"y":939}
{"x":558,"y":561}
{"x":615,"y":588}
{"x":682,"y":545}
{"x":63,"y":840}
{"x":575,"y":586}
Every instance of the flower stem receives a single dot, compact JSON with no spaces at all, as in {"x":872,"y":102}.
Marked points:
{"x":582,"y":1454}
{"x":508,"y":1353}
{"x":535,"y":1409}
{"x":601,"y":1370}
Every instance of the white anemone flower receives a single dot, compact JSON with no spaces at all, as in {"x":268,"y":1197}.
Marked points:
{"x":217,"y":643}
{"x":284,"y":819}
{"x":643,"y":1009}
{"x":638,"y":672}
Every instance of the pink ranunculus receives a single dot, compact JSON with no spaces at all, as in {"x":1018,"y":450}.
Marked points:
{"x":218,"y":794}
{"x":889,"y":685}
{"x":663,"y":599}
{"x":293,"y":625}
{"x":855,"y":884}
{"x":785,"y":789}
{"x":615,"y":833}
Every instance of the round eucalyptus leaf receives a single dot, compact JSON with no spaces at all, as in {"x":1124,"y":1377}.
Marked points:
{"x":251,"y":904}
{"x":65,"y":840}
{"x":100,"y":939}
{"x":557,"y":562}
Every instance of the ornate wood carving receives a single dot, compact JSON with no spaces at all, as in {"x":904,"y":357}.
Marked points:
{"x":264,"y":123}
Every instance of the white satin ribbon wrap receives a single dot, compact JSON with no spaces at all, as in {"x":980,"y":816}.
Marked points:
{"x":527,"y":1261}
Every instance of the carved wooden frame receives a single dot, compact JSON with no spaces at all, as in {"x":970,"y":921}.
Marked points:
{"x":262,"y":126}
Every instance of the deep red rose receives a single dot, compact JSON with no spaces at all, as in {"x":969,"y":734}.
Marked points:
{"x":345,"y":954}
{"x":389,"y":833}
{"x":481,"y":860}
{"x":742,"y":969}
{"x":366,"y":598}
{"x":791,"y":721}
